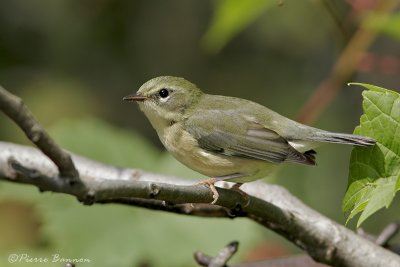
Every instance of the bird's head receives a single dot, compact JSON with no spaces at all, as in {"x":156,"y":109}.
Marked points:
{"x":165,"y":99}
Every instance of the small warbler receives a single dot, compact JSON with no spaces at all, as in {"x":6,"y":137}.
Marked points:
{"x":227,"y":138}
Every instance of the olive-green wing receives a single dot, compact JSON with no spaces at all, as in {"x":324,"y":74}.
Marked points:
{"x":224,"y":132}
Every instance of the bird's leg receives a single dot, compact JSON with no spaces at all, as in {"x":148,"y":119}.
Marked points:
{"x":211,"y":181}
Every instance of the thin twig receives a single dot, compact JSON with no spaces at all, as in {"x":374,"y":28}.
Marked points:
{"x":343,"y":69}
{"x":202,"y":259}
{"x":384,"y":236}
{"x":387,"y":234}
{"x":15,"y":109}
{"x":224,"y":255}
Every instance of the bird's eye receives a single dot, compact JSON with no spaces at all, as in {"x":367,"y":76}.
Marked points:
{"x":163,"y":93}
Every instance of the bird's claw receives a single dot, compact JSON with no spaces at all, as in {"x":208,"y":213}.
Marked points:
{"x":210,"y":183}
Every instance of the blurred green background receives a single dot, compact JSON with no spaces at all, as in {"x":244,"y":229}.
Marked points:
{"x":73,"y":61}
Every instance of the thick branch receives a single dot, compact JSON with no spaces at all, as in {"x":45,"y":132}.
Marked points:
{"x":271,"y":206}
{"x":15,"y":108}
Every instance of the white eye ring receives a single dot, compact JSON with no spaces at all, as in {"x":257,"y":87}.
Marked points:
{"x":163,"y":100}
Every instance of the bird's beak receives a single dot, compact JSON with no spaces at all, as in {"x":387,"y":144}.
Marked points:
{"x":134,"y":97}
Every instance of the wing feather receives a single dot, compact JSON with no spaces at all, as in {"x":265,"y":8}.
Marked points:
{"x":241,"y":136}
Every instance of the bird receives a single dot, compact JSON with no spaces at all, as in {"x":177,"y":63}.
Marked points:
{"x":228,"y":138}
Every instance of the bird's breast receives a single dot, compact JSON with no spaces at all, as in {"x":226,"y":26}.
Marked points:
{"x":184,"y":147}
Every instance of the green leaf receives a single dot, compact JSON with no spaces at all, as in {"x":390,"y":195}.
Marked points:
{"x":374,"y":176}
{"x":356,"y":198}
{"x":381,"y":196}
{"x":370,"y":87}
{"x":398,"y":184}
{"x":231,"y":17}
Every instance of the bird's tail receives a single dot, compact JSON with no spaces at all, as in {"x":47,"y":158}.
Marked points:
{"x":339,"y":138}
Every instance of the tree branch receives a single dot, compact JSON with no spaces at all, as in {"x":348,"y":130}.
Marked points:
{"x":228,"y":251}
{"x":269,"y":205}
{"x":297,"y":260}
{"x":15,"y":108}
{"x":387,"y":234}
{"x":224,"y":255}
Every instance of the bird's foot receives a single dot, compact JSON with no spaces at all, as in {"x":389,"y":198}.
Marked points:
{"x":210,"y":183}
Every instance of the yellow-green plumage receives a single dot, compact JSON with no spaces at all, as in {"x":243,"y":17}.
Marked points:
{"x":228,"y":137}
